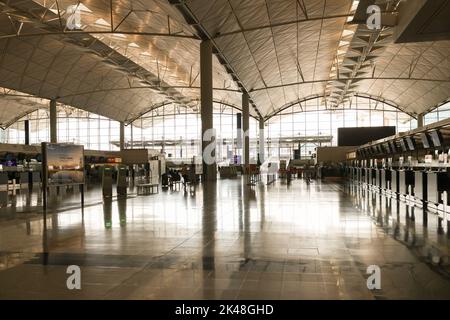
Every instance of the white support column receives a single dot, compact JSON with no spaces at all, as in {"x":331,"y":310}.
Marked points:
{"x":261,"y":140}
{"x":420,"y":120}
{"x":206,"y":97}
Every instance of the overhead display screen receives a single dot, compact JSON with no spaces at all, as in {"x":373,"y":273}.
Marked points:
{"x":403,"y":145}
{"x":410,"y":143}
{"x":436,"y":138}
{"x":425,"y":141}
{"x":393,"y":146}
{"x":361,"y":135}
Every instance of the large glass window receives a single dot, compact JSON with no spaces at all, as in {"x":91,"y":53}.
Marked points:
{"x":73,"y":126}
{"x":440,"y":113}
{"x":176,"y":130}
{"x":293,"y":128}
{"x":173,"y":129}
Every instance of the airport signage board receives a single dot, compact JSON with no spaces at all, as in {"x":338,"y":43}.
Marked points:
{"x":63,"y":164}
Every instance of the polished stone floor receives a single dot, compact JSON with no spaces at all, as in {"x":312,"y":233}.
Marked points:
{"x":223,"y":241}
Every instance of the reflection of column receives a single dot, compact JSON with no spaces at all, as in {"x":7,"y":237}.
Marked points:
{"x":206,"y":97}
{"x":28,"y":224}
{"x":388,"y":211}
{"x":407,"y":226}
{"x":380,"y":210}
{"x":448,"y":228}
{"x":245,"y":127}
{"x":209,"y":227}
{"x":262,"y":206}
{"x":53,"y":122}
{"x":413,"y":225}
{"x":209,"y":224}
{"x":122,"y":208}
{"x":122,"y":136}
{"x":246,"y":213}
{"x":425,"y":214}
{"x":397,"y":221}
{"x":107,"y":213}
{"x":45,"y":250}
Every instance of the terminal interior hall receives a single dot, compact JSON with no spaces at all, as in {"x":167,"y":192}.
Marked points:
{"x":225,"y":149}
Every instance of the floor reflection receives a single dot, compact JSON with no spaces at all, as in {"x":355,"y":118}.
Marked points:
{"x":414,"y":227}
{"x":224,"y":240}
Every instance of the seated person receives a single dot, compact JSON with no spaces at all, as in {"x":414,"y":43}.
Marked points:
{"x":174,"y":176}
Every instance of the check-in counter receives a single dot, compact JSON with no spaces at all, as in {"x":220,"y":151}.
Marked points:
{"x":406,"y":180}
{"x":420,"y":187}
{"x":351,"y":173}
{"x":36,"y":179}
{"x":23,"y":178}
{"x":359,"y":175}
{"x":377,"y":182}
{"x":368,"y":176}
{"x":439,"y":195}
{"x":385,"y":179}
{"x":393,"y":190}
{"x":437,"y":183}
{"x":372,"y":177}
{"x":363,"y":175}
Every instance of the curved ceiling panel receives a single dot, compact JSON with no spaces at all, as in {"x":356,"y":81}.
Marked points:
{"x":288,"y":50}
{"x":124,"y":57}
{"x":14,"y":105}
{"x":118,"y":63}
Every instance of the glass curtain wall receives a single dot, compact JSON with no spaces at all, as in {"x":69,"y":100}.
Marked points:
{"x":176,"y":130}
{"x":173,"y":129}
{"x":74,"y":126}
{"x":312,"y":120}
{"x":440,"y":113}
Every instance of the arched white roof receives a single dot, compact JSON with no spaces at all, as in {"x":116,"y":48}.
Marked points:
{"x":126,"y":58}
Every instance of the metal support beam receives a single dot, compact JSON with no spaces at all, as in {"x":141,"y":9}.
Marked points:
{"x":191,"y":19}
{"x":53,"y":122}
{"x":206,"y":110}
